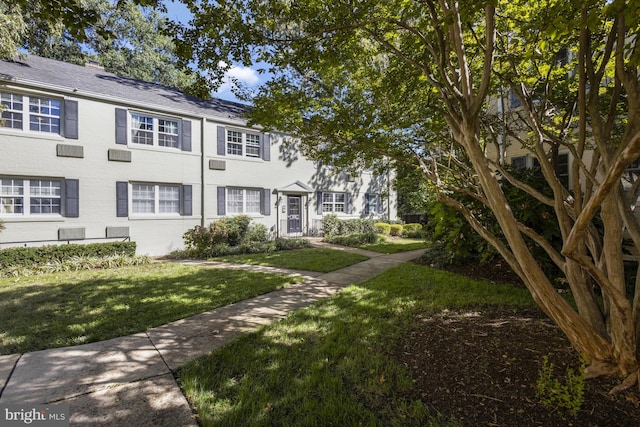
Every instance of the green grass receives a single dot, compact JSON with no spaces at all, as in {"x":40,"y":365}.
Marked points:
{"x":314,"y":259}
{"x":62,"y":309}
{"x":396,"y":245}
{"x":329,"y":364}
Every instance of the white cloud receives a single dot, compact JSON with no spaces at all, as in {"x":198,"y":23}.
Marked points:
{"x":243,"y":76}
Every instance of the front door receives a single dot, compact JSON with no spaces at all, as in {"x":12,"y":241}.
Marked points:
{"x":294,"y":214}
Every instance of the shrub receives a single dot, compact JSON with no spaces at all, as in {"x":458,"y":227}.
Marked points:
{"x":330,"y":225}
{"x":1,"y":226}
{"x":257,"y":233}
{"x":34,"y":256}
{"x":231,"y":231}
{"x":396,"y":229}
{"x":355,"y":240}
{"x":552,"y":392}
{"x":333,"y":226}
{"x":383,"y":228}
{"x":289,"y":244}
{"x":412,"y":230}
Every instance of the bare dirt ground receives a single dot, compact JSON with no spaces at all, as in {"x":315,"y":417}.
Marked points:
{"x":480,"y":366}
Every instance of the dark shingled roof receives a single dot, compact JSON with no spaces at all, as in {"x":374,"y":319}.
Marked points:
{"x":92,"y":80}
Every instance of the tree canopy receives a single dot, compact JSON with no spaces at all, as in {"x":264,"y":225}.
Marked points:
{"x":451,"y":89}
{"x":128,"y":37}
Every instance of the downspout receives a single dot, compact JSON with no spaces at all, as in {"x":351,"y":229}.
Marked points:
{"x":306,"y":212}
{"x":202,"y":169}
{"x":277,"y":213}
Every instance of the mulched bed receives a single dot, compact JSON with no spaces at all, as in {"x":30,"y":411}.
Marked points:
{"x":481,"y":366}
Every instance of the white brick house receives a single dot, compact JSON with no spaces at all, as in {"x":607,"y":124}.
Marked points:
{"x":90,"y":156}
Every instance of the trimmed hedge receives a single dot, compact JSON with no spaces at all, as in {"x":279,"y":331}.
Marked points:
{"x":396,"y":229}
{"x":34,"y":256}
{"x":412,"y":230}
{"x":333,"y":226}
{"x":383,"y":228}
{"x":354,"y":240}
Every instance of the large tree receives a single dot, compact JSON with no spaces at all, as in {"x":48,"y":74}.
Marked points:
{"x":126,"y":37}
{"x":428,"y":83}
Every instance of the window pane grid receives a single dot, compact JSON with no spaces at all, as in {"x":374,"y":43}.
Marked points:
{"x":169,"y":199}
{"x":44,"y":115}
{"x":235,"y":200}
{"x":30,"y":196}
{"x":143,"y":198}
{"x":141,"y":129}
{"x":333,"y":202}
{"x":30,"y":113}
{"x":253,"y":201}
{"x":168,"y":133}
{"x":253,"y":145}
{"x":12,"y":114}
{"x":234,"y":143}
{"x":42,"y":205}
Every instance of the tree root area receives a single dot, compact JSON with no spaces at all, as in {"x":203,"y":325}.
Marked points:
{"x":480,"y":367}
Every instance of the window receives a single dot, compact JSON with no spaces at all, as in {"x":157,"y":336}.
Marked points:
{"x":372,"y":204}
{"x":562,"y":169}
{"x":234,"y":143}
{"x":519,"y":162}
{"x":150,"y":130}
{"x":239,"y":143}
{"x":244,"y":201}
{"x":31,"y":113}
{"x":333,"y":202}
{"x":155,"y":198}
{"x":19,"y":196}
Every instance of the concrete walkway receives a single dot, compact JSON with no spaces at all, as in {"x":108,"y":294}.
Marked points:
{"x":129,"y":381}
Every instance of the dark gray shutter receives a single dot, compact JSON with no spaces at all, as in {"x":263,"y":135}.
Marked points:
{"x":70,"y":119}
{"x":122,"y":198}
{"x":187,"y":200}
{"x":222,"y":201}
{"x":222,"y":143}
{"x":266,"y":202}
{"x":186,"y":135}
{"x":349,"y":203}
{"x":319,"y":202}
{"x":266,"y":147}
{"x":121,"y":126}
{"x":367,"y":209}
{"x":72,"y":198}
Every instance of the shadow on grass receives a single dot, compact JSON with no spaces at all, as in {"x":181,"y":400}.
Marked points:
{"x":330,"y":364}
{"x":69,"y":309}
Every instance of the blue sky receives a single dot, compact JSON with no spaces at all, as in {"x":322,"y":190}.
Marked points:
{"x":176,"y":11}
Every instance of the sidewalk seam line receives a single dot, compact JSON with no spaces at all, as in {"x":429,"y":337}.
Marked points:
{"x":15,"y":365}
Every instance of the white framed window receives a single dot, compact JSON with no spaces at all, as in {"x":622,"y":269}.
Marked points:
{"x":151,"y":199}
{"x":243,"y":201}
{"x":372,"y":204}
{"x":333,"y":202}
{"x":30,"y":113}
{"x":243,"y":144}
{"x":22,"y":196}
{"x":152,"y":130}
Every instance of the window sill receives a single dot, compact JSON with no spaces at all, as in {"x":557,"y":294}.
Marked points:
{"x":138,"y":217}
{"x":241,"y":158}
{"x":31,"y":218}
{"x":157,"y":148}
{"x":32,"y":135}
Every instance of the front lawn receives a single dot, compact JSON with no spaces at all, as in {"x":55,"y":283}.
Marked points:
{"x":71,"y":308}
{"x":330,"y":364}
{"x":313,"y":259}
